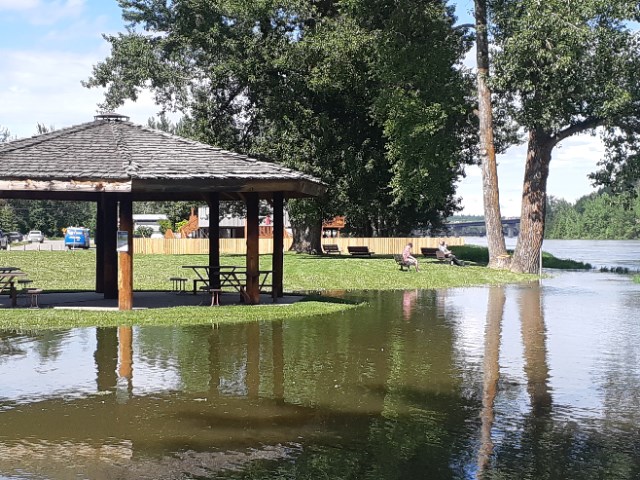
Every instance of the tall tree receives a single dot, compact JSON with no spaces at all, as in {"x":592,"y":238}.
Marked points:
{"x":498,"y":257}
{"x":562,"y":67}
{"x":364,"y":95}
{"x":5,"y":134}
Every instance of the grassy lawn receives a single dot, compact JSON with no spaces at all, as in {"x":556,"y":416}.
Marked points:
{"x":75,"y":271}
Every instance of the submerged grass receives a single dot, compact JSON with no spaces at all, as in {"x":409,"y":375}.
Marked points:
{"x":75,"y":271}
{"x":26,"y":319}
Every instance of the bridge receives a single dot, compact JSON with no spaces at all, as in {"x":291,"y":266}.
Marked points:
{"x":510,"y":227}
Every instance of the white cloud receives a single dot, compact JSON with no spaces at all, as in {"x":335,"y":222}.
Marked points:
{"x":16,"y":5}
{"x":44,"y":87}
{"x":571,"y":162}
{"x":44,"y":12}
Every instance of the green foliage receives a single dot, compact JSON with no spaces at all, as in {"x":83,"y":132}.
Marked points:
{"x":566,"y":64}
{"x":165,"y":225}
{"x":8,"y":220}
{"x":599,"y":216}
{"x":181,"y":224}
{"x":50,"y":216}
{"x":144,"y":231}
{"x":561,"y":68}
{"x":364,"y":95}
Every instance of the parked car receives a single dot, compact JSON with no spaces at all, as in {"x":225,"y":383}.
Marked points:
{"x":15,"y":237}
{"x":4,"y":241}
{"x":35,"y":236}
{"x":77,"y":237}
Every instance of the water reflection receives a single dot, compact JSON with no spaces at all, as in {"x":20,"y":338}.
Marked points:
{"x":106,"y":359}
{"x":479,"y":382}
{"x":535,"y":350}
{"x":491,"y":374}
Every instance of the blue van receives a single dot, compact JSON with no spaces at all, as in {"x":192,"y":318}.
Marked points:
{"x":77,"y":237}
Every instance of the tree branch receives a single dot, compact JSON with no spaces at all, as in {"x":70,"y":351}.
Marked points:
{"x":587,"y":124}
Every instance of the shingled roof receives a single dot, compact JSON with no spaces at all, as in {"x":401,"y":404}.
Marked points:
{"x":113,"y":151}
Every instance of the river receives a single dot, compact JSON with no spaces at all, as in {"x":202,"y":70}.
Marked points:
{"x":599,"y":253}
{"x":531,"y":381}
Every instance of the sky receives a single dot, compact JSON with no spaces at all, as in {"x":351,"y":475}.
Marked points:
{"x":47,"y":47}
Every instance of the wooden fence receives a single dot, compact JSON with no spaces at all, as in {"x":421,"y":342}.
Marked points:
{"x":187,"y":246}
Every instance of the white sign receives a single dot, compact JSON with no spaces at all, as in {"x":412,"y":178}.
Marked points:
{"x":123,"y":241}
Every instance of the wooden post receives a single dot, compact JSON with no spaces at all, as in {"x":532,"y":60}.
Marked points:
{"x":125,"y":259}
{"x":109,"y":253}
{"x":214,"y":237}
{"x":125,"y":352}
{"x":99,"y":241}
{"x":277,"y":259}
{"x":253,"y":247}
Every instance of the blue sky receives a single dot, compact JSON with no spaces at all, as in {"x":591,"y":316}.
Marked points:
{"x":47,"y":47}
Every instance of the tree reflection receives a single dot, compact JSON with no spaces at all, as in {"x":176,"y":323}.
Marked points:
{"x":535,"y":348}
{"x":367,"y":394}
{"x":491,"y":373}
{"x":536,"y":368}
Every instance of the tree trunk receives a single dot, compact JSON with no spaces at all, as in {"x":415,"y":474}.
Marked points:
{"x":307,"y":238}
{"x":306,"y":224}
{"x":526,"y":258}
{"x":498,"y":257}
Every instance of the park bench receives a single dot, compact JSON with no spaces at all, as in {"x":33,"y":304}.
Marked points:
{"x":331,"y":248}
{"x":433,"y":253}
{"x":429,"y":252}
{"x":400,"y":261}
{"x":359,"y":250}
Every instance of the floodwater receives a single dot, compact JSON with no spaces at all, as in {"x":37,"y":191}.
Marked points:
{"x":533,"y":381}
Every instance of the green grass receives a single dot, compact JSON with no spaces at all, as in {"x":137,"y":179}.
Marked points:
{"x":480,"y":256}
{"x":26,"y":319}
{"x":75,"y":271}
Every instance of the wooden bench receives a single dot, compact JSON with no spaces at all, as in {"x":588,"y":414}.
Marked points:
{"x":429,"y":252}
{"x":434,"y":253}
{"x":359,"y":250}
{"x":403,"y":265}
{"x":331,"y":248}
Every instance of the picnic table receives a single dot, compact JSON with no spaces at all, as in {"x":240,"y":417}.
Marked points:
{"x":8,"y":278}
{"x":229,"y":276}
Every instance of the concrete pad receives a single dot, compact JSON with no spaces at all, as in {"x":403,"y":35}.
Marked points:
{"x":141,"y":300}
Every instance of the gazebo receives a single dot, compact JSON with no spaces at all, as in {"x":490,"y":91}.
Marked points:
{"x":114,"y":162}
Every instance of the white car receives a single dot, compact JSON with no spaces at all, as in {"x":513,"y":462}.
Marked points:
{"x":35,"y":236}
